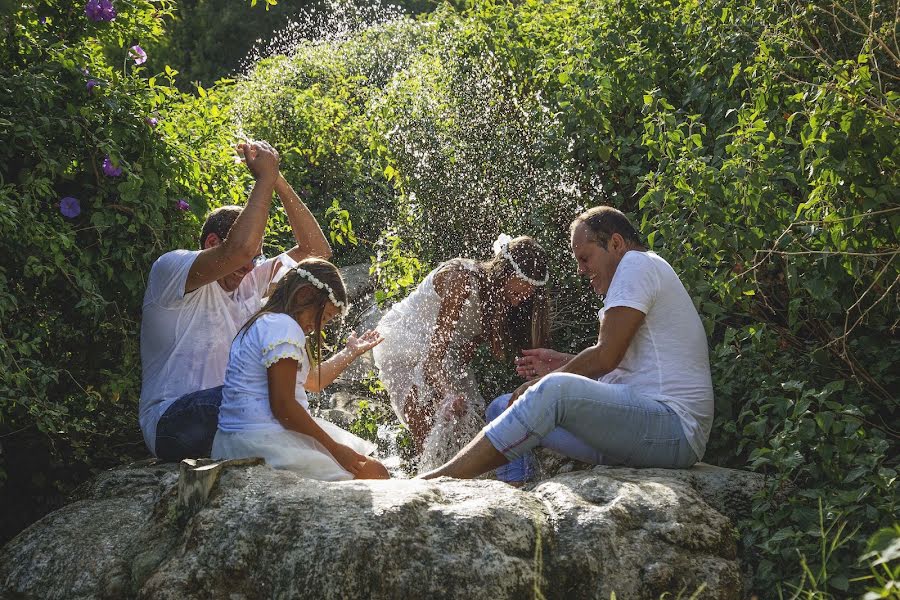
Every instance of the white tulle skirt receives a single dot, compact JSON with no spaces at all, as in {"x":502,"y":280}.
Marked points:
{"x":286,"y":449}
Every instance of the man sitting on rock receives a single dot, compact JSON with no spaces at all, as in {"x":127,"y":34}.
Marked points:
{"x":641,"y":396}
{"x":195,"y":302}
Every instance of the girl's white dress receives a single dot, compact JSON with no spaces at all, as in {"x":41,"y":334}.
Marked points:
{"x":408,"y":328}
{"x":247,"y":427}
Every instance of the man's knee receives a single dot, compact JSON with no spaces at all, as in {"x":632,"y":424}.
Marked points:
{"x":496,"y":408}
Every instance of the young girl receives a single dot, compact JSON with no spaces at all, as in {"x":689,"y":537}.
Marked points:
{"x":265,"y":411}
{"x":430,"y":337}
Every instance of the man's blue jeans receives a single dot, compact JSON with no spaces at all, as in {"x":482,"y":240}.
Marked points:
{"x":187,"y":428}
{"x":593,"y":422}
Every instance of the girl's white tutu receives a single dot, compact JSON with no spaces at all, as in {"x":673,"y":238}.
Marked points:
{"x":286,"y":449}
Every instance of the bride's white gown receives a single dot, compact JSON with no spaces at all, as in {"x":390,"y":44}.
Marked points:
{"x":407,"y":329}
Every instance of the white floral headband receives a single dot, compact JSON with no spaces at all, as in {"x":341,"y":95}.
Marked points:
{"x":343,"y":306}
{"x":501,"y":247}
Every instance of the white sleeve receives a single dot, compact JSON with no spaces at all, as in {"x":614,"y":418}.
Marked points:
{"x":280,"y":337}
{"x":635,"y":284}
{"x":168,"y":276}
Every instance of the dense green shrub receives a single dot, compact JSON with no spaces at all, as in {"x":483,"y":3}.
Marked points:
{"x":211,"y":39}
{"x":77,"y":237}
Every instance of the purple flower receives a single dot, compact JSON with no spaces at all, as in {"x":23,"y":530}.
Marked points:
{"x":138,"y":54}
{"x":69,"y":207}
{"x":85,"y":72}
{"x":100,"y":10}
{"x":90,"y":85}
{"x":110,"y":169}
{"x":43,"y":20}
{"x":182,"y":205}
{"x":151,"y":121}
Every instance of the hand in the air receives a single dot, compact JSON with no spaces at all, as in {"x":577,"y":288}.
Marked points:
{"x":364,"y":343}
{"x":261,"y":158}
{"x":348,"y":458}
{"x":538,"y":362}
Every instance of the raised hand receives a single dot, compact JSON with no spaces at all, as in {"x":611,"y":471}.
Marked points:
{"x":538,"y":362}
{"x":261,"y":158}
{"x":362,"y":344}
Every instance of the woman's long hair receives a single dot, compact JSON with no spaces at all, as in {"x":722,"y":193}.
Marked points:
{"x":289,"y":298}
{"x":509,"y":329}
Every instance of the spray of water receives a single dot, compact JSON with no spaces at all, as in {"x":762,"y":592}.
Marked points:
{"x":430,"y":138}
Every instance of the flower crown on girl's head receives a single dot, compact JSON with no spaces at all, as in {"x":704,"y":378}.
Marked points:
{"x":501,"y":247}
{"x":343,"y":306}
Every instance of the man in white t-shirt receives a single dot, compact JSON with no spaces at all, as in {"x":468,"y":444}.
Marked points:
{"x":195,"y":302}
{"x":641,"y":396}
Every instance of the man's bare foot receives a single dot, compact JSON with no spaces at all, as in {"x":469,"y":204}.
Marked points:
{"x":479,"y":456}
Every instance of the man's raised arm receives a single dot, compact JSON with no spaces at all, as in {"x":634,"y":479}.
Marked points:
{"x":307,"y":232}
{"x":245,"y":237}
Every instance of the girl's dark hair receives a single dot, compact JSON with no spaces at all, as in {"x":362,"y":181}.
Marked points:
{"x":294,"y":292}
{"x":509,"y":329}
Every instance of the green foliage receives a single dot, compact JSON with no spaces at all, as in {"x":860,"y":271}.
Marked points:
{"x":71,"y":286}
{"x":211,"y":39}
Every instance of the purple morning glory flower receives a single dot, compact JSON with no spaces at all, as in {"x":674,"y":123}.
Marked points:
{"x":138,"y":54}
{"x":90,"y":85}
{"x":70,"y":207}
{"x":151,"y":121}
{"x":100,"y":10}
{"x":182,"y":205}
{"x":109,"y":12}
{"x":110,"y":169}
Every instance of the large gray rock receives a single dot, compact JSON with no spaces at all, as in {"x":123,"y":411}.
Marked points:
{"x":263,"y":533}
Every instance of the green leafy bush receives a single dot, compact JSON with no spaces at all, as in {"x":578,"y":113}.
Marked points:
{"x":95,"y":161}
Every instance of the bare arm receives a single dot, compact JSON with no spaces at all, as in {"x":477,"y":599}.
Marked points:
{"x":282,"y":379}
{"x":244,"y":238}
{"x":321,"y":377}
{"x":453,"y":286}
{"x":307,"y":231}
{"x":619,"y":325}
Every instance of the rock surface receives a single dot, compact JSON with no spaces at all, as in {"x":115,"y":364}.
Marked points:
{"x":264,"y":533}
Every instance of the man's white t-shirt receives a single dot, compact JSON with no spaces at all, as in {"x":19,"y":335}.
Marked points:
{"x":668,"y":358}
{"x":185,"y":338}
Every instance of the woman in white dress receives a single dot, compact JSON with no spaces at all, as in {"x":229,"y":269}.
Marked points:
{"x":430,"y":338}
{"x":265,"y":411}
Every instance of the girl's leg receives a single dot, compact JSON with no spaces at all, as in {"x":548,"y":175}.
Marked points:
{"x":419,"y":419}
{"x":624,"y":427}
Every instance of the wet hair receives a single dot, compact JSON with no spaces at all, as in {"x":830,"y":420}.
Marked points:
{"x":509,"y":329}
{"x":219,"y":221}
{"x":294,"y":293}
{"x":603,"y":222}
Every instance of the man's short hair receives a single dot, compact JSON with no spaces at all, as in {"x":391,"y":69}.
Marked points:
{"x":603,"y":222}
{"x":219,"y":221}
